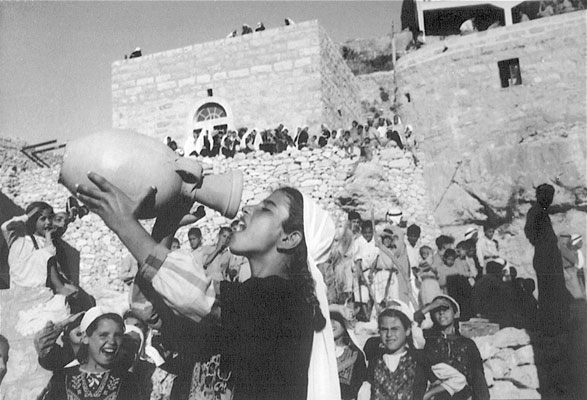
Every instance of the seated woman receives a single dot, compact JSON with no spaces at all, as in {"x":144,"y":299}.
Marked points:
{"x":279,"y":339}
{"x":96,"y":378}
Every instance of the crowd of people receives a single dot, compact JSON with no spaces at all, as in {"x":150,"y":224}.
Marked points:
{"x":357,"y":140}
{"x":260,"y":27}
{"x":251,"y":316}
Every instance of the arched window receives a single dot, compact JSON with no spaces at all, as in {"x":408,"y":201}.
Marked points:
{"x":210,"y":111}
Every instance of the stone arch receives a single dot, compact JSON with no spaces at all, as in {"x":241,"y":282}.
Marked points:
{"x":206,"y":114}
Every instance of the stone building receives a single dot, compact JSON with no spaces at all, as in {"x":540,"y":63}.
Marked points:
{"x":497,"y":113}
{"x":293,"y":75}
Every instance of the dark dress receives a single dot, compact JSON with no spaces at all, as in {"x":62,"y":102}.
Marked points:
{"x":460,"y":353}
{"x":408,"y":381}
{"x":493,"y":299}
{"x":197,"y":346}
{"x":57,"y":358}
{"x":352,"y":371}
{"x":75,"y":384}
{"x":269,"y":333}
{"x":553,"y":297}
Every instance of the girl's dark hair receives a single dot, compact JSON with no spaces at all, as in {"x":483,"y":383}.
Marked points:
{"x":32,"y":222}
{"x":335,"y":316}
{"x":298,"y":269}
{"x":69,"y":327}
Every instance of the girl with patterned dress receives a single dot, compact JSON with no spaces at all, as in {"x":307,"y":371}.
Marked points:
{"x":96,"y":378}
{"x":453,"y":362}
{"x":279,"y":339}
{"x":350,"y":358}
{"x":394,"y":372}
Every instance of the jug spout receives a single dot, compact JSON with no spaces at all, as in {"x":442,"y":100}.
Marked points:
{"x":219,"y":192}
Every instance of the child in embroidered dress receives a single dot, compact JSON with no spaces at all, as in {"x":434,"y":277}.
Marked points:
{"x":454,"y":363}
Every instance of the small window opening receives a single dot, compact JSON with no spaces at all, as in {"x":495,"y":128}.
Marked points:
{"x":210,"y":93}
{"x":509,"y":72}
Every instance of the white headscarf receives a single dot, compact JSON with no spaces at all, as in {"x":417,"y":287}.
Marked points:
{"x":319,"y":231}
{"x":258,"y":141}
{"x":243,"y":144}
{"x":194,"y":145}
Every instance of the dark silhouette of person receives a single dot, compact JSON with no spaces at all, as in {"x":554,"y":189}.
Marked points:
{"x":136,"y":53}
{"x":553,"y":297}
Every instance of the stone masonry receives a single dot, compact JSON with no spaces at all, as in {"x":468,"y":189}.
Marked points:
{"x":328,"y":175}
{"x":484,"y":147}
{"x":292,"y":75}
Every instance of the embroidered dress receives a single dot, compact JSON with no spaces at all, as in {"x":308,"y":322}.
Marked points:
{"x":402,"y":384}
{"x":351,"y":371}
{"x":460,"y":353}
{"x":209,"y":382}
{"x":76,"y":384}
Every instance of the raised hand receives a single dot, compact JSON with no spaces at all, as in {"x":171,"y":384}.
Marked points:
{"x":120,"y":213}
{"x":46,"y":338}
{"x":111,"y":203}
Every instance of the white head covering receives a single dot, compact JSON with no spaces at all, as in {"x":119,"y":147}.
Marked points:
{"x":319,"y":230}
{"x":191,"y":145}
{"x":243,"y":144}
{"x":135,"y":329}
{"x":90,"y":316}
{"x":258,"y":141}
{"x":394,"y":215}
{"x":470,"y":233}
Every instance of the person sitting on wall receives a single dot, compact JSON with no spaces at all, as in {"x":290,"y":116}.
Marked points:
{"x":195,"y":144}
{"x":229,"y":144}
{"x":468,"y":27}
{"x":302,"y":138}
{"x":246,"y":29}
{"x":394,"y":138}
{"x":260,"y":27}
{"x":546,"y":9}
{"x":136,"y":53}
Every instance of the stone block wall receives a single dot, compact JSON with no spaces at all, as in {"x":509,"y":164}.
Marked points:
{"x":465,"y":115}
{"x":377,"y":93}
{"x":337,"y":181}
{"x":485,"y":147}
{"x":328,"y":175}
{"x":262,"y":79}
{"x":340,"y":88}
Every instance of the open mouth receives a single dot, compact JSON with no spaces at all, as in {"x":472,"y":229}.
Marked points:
{"x":241,"y":226}
{"x":109,"y":351}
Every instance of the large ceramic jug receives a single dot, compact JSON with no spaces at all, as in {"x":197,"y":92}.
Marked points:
{"x":134,"y":162}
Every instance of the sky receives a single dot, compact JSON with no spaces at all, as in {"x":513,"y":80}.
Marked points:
{"x":55,"y":57}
